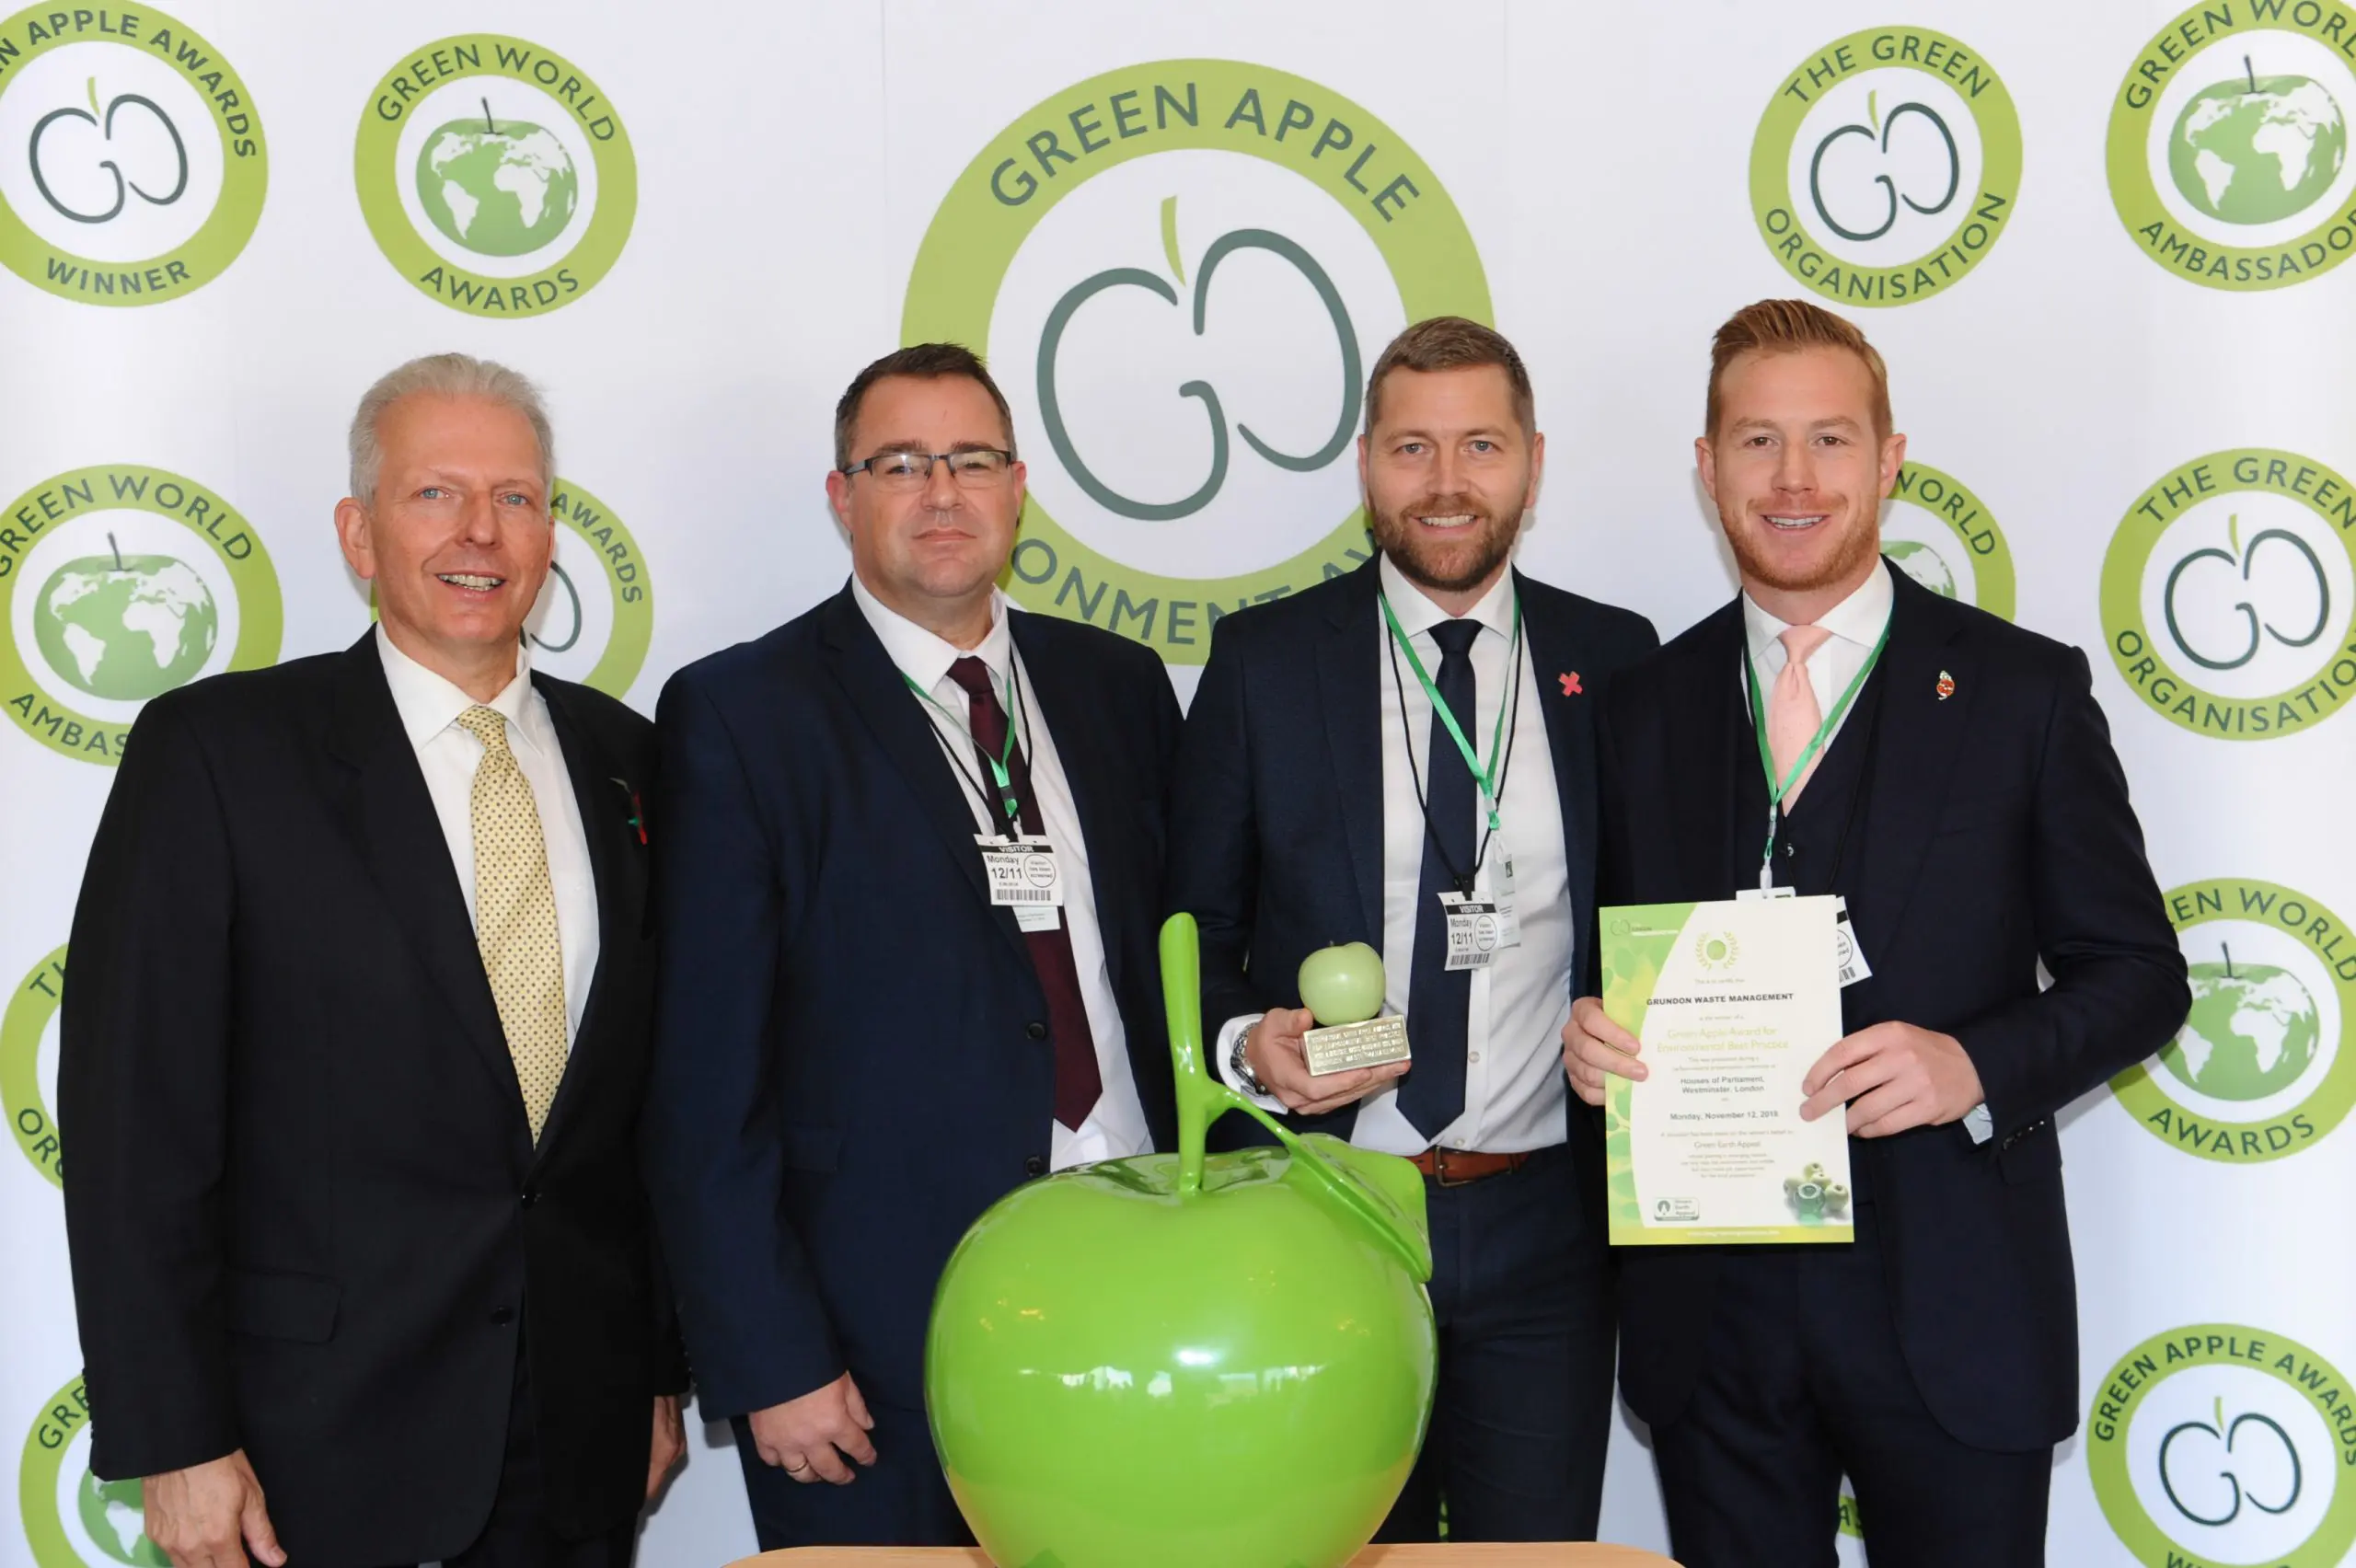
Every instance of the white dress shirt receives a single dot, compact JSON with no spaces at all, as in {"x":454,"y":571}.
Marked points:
{"x":1116,"y":1128}
{"x":1514,"y":1090}
{"x":429,"y":707}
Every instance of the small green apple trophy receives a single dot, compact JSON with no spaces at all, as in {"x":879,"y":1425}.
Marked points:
{"x":1342,"y":988}
{"x":1176,"y":1360}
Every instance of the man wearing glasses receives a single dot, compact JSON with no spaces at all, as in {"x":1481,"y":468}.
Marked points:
{"x":909,"y":870}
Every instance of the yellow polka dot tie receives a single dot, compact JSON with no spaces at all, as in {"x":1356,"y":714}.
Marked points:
{"x":515,"y":916}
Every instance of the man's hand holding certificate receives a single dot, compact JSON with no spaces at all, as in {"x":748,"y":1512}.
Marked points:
{"x":1716,"y":1050}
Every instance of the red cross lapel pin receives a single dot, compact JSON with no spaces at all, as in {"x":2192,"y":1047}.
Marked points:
{"x":1571,"y":686}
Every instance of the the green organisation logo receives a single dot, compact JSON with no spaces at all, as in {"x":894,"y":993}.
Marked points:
{"x":2228,"y":146}
{"x":131,"y":158}
{"x":2219,"y":1444}
{"x":2263,"y":1066}
{"x":1180,"y":272}
{"x":495,"y":175}
{"x":1886,"y":167}
{"x":1941,"y":535}
{"x":117,"y":585}
{"x":28,"y":1064}
{"x":2229,"y":594}
{"x":71,"y":1518}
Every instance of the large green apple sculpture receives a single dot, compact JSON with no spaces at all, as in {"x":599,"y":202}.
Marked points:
{"x":1174,"y":1360}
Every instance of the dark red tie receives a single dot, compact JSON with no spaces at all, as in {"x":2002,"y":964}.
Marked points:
{"x":1077,"y":1083}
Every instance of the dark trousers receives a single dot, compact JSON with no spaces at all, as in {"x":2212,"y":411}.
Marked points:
{"x":1804,"y":1379}
{"x":902,"y":1501}
{"x":1523,"y":1411}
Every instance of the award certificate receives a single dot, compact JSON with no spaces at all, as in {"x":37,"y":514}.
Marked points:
{"x":1733,"y":1002}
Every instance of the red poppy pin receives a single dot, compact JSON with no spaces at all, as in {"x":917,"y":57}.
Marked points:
{"x":1946,"y":686}
{"x":1571,"y":686}
{"x":637,"y":807}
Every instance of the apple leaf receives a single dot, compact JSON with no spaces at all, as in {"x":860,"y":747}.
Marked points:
{"x":2234,"y":533}
{"x":93,"y":85}
{"x":1169,"y":236}
{"x":1873,"y":111}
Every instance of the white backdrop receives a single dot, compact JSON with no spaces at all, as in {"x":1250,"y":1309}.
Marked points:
{"x":2122,"y":439}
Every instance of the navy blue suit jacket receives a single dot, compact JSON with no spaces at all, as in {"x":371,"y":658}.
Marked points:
{"x":1277,"y":815}
{"x":1998,"y":833}
{"x":851,"y":1057}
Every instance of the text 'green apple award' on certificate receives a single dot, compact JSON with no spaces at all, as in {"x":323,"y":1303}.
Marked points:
{"x":1733,"y":1003}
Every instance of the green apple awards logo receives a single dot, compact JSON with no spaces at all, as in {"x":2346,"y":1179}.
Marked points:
{"x":596,"y":610}
{"x":71,"y":1518}
{"x":131,"y":158}
{"x":28,"y":1064}
{"x":1182,"y":269}
{"x":117,"y":585}
{"x":1886,"y":166}
{"x":2223,"y":1444}
{"x":2229,"y":594}
{"x":495,"y":175}
{"x":2228,"y":146}
{"x":2262,"y":1068}
{"x":1937,"y":532}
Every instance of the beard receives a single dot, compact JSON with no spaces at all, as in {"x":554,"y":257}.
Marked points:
{"x":1450,"y":565}
{"x":1860,"y":543}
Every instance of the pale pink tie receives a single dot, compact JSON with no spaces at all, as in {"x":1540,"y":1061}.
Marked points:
{"x":1793,"y":715}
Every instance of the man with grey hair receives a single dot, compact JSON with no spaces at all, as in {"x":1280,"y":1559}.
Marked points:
{"x":353,"y":1047}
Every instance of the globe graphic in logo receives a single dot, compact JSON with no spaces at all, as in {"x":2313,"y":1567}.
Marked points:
{"x":1921,"y":563}
{"x":126,"y":628}
{"x":2252,"y":1032}
{"x":498,"y":187}
{"x":2257,"y":149}
{"x":112,"y":1517}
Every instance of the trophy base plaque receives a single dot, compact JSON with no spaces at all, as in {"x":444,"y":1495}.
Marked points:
{"x":1340,"y":1047}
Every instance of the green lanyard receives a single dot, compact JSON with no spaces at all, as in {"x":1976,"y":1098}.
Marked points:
{"x":1485,"y":778}
{"x":1775,"y":792}
{"x":999,"y":773}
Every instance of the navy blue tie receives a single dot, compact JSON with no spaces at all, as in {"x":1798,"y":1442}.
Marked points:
{"x":1439,"y":1002}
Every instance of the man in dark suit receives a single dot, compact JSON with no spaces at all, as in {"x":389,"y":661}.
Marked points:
{"x":353,"y":1054}
{"x":1962,"y":796}
{"x":871,"y":1028}
{"x":1326,"y":796}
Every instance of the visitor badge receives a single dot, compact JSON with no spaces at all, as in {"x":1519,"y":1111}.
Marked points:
{"x":1501,"y":889}
{"x":1473,"y":934}
{"x":1024,"y":876}
{"x":1854,"y":966}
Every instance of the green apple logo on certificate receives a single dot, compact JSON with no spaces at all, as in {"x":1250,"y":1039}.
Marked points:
{"x":1733,"y":1002}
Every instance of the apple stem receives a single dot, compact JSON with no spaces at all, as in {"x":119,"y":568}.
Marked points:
{"x":118,"y":553}
{"x":2229,"y":959}
{"x":489,"y":124}
{"x":2252,"y":72}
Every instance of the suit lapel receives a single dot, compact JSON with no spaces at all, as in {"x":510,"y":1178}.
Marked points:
{"x":606,"y":805}
{"x":1556,"y":657}
{"x":391,"y":817}
{"x":892,"y":715}
{"x":1351,"y":681}
{"x":1916,"y":761}
{"x":1706,"y":746}
{"x":1066,"y":705}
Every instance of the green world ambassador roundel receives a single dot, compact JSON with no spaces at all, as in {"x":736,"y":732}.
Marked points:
{"x":1179,"y":271}
{"x":24,"y":1027}
{"x":1886,"y":167}
{"x":495,"y":175}
{"x":119,"y":583}
{"x":134,"y":167}
{"x":2228,"y":146}
{"x":2228,"y":595}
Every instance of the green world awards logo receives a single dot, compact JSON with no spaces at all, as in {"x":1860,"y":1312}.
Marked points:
{"x":119,"y":583}
{"x":28,"y":1064}
{"x":2229,"y":594}
{"x":495,"y":175}
{"x":2220,"y":1445}
{"x":71,"y":1518}
{"x":1937,"y":532}
{"x":595,"y":613}
{"x":131,"y":158}
{"x":1886,"y":167}
{"x":1180,"y":272}
{"x":2228,"y":147}
{"x":2261,"y":1067}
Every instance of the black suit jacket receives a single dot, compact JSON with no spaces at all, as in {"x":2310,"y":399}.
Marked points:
{"x":852,"y":1059}
{"x":1276,"y":849}
{"x":1997,"y":834}
{"x":306,"y":1209}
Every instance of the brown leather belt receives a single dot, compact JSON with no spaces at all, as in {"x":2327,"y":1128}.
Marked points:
{"x":1455,"y":1167}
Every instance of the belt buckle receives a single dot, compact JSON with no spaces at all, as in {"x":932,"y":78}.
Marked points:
{"x":1439,"y":1171}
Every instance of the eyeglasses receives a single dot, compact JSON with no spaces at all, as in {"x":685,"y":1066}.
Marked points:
{"x":974,"y":468}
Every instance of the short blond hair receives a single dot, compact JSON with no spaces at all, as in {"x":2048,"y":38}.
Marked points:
{"x":443,"y":376}
{"x":1787,"y":326}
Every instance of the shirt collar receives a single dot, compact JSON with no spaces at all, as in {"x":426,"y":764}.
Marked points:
{"x":429,"y":703}
{"x":1860,"y":619}
{"x":925,"y":658}
{"x":1418,"y":614}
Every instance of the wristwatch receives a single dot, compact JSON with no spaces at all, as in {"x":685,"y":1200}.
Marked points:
{"x":1238,"y":1064}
